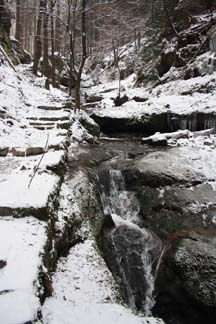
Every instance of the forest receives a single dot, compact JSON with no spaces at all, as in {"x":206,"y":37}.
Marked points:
{"x":107,"y":161}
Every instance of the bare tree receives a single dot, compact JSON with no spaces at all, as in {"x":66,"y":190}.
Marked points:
{"x":38,"y":40}
{"x":76,"y":19}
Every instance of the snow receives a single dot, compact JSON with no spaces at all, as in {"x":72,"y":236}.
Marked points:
{"x":85,"y":272}
{"x":201,"y":157}
{"x":85,"y":290}
{"x":20,"y":96}
{"x":71,"y":200}
{"x":92,"y":314}
{"x":178,"y":96}
{"x":15,"y":192}
{"x":21,"y":245}
{"x":79,"y":133}
{"x":13,"y":164}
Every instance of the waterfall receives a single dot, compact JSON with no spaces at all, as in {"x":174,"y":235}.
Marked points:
{"x":119,"y":201}
{"x":133,"y":250}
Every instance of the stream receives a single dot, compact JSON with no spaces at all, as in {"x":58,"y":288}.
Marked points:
{"x":132,"y":252}
{"x":138,"y":216}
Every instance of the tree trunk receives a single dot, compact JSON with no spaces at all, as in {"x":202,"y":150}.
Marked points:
{"x":58,"y":35}
{"x":46,"y":41}
{"x":84,"y":55}
{"x":53,"y":44}
{"x":18,"y":33}
{"x":38,"y":42}
{"x":77,"y":94}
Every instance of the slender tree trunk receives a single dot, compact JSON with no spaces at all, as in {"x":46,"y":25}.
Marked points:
{"x":45,"y":41}
{"x":84,"y":55}
{"x":18,"y":33}
{"x":77,"y":93}
{"x":71,"y":64}
{"x":58,"y":35}
{"x":38,"y":41}
{"x":53,"y":44}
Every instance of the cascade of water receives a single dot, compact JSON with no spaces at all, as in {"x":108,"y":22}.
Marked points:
{"x":120,"y":201}
{"x":124,"y":208}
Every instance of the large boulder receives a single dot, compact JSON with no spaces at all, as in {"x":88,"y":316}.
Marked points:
{"x":195,"y":263}
{"x":132,"y":254}
{"x":161,"y":168}
{"x":87,"y":122}
{"x":186,"y":283}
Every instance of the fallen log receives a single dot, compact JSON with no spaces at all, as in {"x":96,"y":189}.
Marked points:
{"x":161,"y":139}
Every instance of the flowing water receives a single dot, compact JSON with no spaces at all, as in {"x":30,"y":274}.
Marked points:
{"x":117,"y":200}
{"x":124,"y":208}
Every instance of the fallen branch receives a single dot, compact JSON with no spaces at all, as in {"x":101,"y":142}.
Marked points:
{"x":37,"y":167}
{"x":7,"y":58}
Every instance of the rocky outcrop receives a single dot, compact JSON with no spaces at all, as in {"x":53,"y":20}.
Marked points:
{"x":150,"y":124}
{"x":173,"y":197}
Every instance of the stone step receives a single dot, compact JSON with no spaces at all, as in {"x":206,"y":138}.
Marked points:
{"x":50,"y":108}
{"x":18,"y":199}
{"x":44,"y":127}
{"x":49,"y":118}
{"x":4,"y":150}
{"x":38,"y":123}
{"x":29,"y":151}
{"x":49,"y":125}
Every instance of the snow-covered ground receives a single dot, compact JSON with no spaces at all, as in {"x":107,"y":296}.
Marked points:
{"x":21,"y":245}
{"x":17,"y":192}
{"x":27,"y":156}
{"x":85,"y":291}
{"x":178,"y":96}
{"x":21,"y":98}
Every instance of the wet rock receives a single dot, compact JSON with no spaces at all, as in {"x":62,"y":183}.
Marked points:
{"x":195,"y":263}
{"x":176,"y":208}
{"x":186,"y":283}
{"x":131,"y":253}
{"x":161,"y":168}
